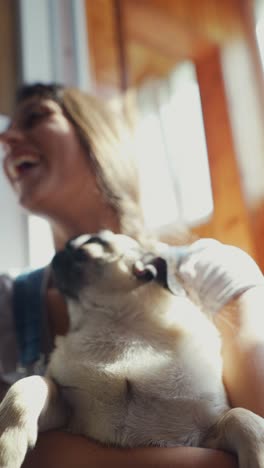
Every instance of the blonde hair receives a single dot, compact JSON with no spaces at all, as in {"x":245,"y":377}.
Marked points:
{"x":108,"y":146}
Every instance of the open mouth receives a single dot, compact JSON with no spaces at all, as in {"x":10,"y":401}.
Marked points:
{"x":22,"y":165}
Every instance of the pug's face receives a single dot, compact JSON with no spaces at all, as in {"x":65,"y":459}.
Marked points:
{"x":104,"y":263}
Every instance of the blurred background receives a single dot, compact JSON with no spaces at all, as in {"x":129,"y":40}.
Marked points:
{"x":187,"y":75}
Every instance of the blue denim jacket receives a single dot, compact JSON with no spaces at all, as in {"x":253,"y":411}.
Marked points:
{"x":26,"y":340}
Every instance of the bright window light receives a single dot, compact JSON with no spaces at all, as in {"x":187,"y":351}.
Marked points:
{"x":184,"y":130}
{"x":4,"y":122}
{"x":41,"y":248}
{"x":260,"y":33}
{"x":172,"y":152}
{"x":158,"y":199}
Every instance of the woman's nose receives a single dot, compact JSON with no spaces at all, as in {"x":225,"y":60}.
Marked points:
{"x":11,"y":137}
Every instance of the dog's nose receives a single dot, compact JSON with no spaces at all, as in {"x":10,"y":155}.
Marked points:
{"x":62,"y":260}
{"x":67,"y":270}
{"x":67,"y":258}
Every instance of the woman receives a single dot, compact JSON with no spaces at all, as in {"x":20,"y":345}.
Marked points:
{"x":68,"y":160}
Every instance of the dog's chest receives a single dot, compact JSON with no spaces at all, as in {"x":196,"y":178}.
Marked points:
{"x":118,"y":385}
{"x":112,"y":370}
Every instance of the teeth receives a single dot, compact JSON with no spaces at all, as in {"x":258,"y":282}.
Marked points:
{"x":15,"y":164}
{"x":12,"y":171}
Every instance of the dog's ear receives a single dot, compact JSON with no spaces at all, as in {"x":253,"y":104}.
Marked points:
{"x":161,"y":269}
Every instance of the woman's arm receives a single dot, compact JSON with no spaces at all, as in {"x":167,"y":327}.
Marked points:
{"x":58,"y":449}
{"x":218,"y":273}
{"x":241,"y":325}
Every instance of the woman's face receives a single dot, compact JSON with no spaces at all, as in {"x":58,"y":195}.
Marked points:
{"x":44,"y":160}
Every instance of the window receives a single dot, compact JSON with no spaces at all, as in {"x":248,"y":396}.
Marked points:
{"x":172,"y":153}
{"x":260,"y":33}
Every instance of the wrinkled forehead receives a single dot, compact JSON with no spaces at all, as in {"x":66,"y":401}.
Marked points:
{"x":123,"y":243}
{"x":105,"y":242}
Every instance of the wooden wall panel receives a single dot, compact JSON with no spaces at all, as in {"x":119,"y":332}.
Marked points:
{"x":257,"y":222}
{"x":103,"y":46}
{"x":152,"y":24}
{"x":214,"y":21}
{"x":157,"y":34}
{"x":145,"y":61}
{"x":230,"y":222}
{"x":9,"y":59}
{"x":137,"y":59}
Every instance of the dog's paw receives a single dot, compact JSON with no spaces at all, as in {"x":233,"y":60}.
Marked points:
{"x":251,"y":448}
{"x":14,"y":444}
{"x":252,"y":462}
{"x":252,"y":457}
{"x":241,"y":432}
{"x":250,"y":443}
{"x":18,"y":424}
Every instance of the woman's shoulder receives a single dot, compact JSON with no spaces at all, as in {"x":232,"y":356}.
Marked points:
{"x":20,"y":291}
{"x":6,"y":285}
{"x":35,"y":279}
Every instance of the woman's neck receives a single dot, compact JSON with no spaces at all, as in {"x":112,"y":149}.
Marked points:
{"x":67,"y":226}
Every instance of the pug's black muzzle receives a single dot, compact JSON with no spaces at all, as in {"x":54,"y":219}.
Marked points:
{"x":68,"y":270}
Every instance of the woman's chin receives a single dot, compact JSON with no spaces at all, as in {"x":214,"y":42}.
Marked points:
{"x":32,"y":191}
{"x":32,"y":202}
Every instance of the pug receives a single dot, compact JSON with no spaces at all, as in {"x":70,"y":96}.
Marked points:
{"x":141,"y":364}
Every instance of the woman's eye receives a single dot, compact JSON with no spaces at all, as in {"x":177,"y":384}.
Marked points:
{"x":34,"y":118}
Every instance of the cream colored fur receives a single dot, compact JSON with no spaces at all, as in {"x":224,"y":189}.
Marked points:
{"x":139,"y":366}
